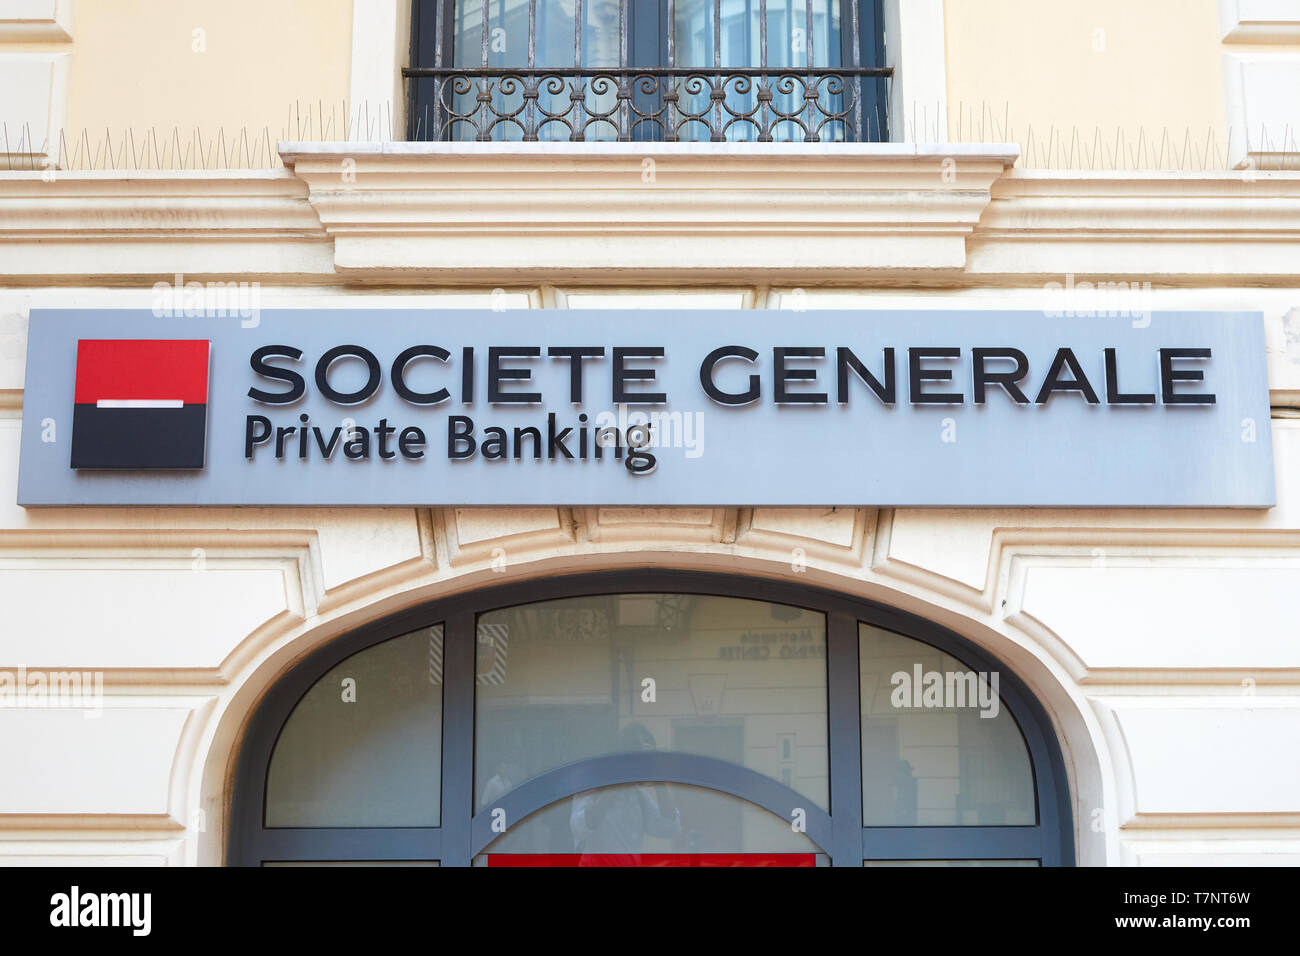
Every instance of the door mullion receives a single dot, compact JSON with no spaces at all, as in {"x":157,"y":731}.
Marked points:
{"x":845,"y":741}
{"x":458,"y":739}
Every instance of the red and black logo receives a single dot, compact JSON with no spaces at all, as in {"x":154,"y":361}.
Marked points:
{"x":140,"y":403}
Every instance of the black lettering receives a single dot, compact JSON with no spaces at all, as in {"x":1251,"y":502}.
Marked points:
{"x":535,"y":435}
{"x":282,"y":435}
{"x":556,"y":440}
{"x":781,"y":375}
{"x":381,"y":440}
{"x":1113,"y":395}
{"x":327,"y":448}
{"x":917,"y":376}
{"x":1170,"y":375}
{"x":639,"y":461}
{"x":497,"y":375}
{"x":575,"y":354}
{"x":622,"y":375}
{"x":398,"y":375}
{"x":1077,"y":383}
{"x":710,"y":387}
{"x":460,"y":435}
{"x":494,"y":445}
{"x":1008,"y":380}
{"x":601,"y":437}
{"x":411,"y":443}
{"x":357,"y":448}
{"x":347,"y":351}
{"x":257,"y":431}
{"x":297,"y":385}
{"x":845,"y":361}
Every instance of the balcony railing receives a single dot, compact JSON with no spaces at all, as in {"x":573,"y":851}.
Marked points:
{"x":629,"y":103}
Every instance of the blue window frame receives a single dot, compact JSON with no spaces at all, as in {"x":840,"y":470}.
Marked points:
{"x":449,"y":629}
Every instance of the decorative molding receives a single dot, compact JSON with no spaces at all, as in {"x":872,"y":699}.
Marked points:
{"x":33,"y":109}
{"x":85,"y":552}
{"x":479,"y":215}
{"x":1015,"y":553}
{"x":492,"y":536}
{"x":35,"y":21}
{"x":1259,"y":95}
{"x":669,"y":528}
{"x":1013,"y":550}
{"x":295,"y":553}
{"x":87,"y":826}
{"x":1259,"y":21}
{"x":1152,"y":800}
{"x":498,"y":211}
{"x":836,"y":534}
{"x":201,"y":223}
{"x":1196,"y":226}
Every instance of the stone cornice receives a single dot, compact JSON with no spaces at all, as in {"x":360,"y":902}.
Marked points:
{"x":478,"y":211}
{"x":1160,"y":225}
{"x":476,"y":214}
{"x":151,"y":223}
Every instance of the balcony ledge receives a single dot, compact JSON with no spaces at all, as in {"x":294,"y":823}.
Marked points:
{"x":479,"y":211}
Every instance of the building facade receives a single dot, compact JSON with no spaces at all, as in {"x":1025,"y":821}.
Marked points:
{"x":448,"y":680}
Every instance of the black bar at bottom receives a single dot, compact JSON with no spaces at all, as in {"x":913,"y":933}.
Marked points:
{"x":138,"y":438}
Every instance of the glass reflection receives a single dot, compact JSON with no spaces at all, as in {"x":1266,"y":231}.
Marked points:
{"x":563,"y":681}
{"x":939,"y":748}
{"x":363,"y":748}
{"x":652,"y":824}
{"x":495,"y":36}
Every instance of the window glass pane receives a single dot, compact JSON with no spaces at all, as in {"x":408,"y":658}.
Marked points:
{"x":787,"y":33}
{"x":950,"y":863}
{"x":562,"y":681}
{"x":508,"y":33}
{"x":651,"y":824}
{"x":495,"y":35}
{"x":789,"y":45}
{"x":507,"y":48}
{"x":600,"y":35}
{"x":363,"y":747}
{"x":938,"y":746}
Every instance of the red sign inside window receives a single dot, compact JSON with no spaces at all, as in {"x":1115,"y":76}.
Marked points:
{"x":652,"y":859}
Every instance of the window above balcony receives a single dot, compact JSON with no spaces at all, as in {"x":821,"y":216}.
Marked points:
{"x":648,"y":71}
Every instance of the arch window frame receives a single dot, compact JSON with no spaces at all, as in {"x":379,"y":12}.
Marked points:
{"x":463,"y":834}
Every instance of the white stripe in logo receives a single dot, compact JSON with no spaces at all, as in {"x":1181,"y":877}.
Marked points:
{"x":139,"y":403}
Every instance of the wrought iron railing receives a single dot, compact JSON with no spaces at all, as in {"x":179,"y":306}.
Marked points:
{"x":669,"y":103}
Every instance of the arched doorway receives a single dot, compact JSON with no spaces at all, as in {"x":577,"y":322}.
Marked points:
{"x":651,"y":717}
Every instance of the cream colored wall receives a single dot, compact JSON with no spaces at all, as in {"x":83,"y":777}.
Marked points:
{"x":137,"y":65}
{"x":1101,"y":68}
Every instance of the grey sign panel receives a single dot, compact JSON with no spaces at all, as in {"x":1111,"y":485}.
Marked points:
{"x":875,"y":408}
